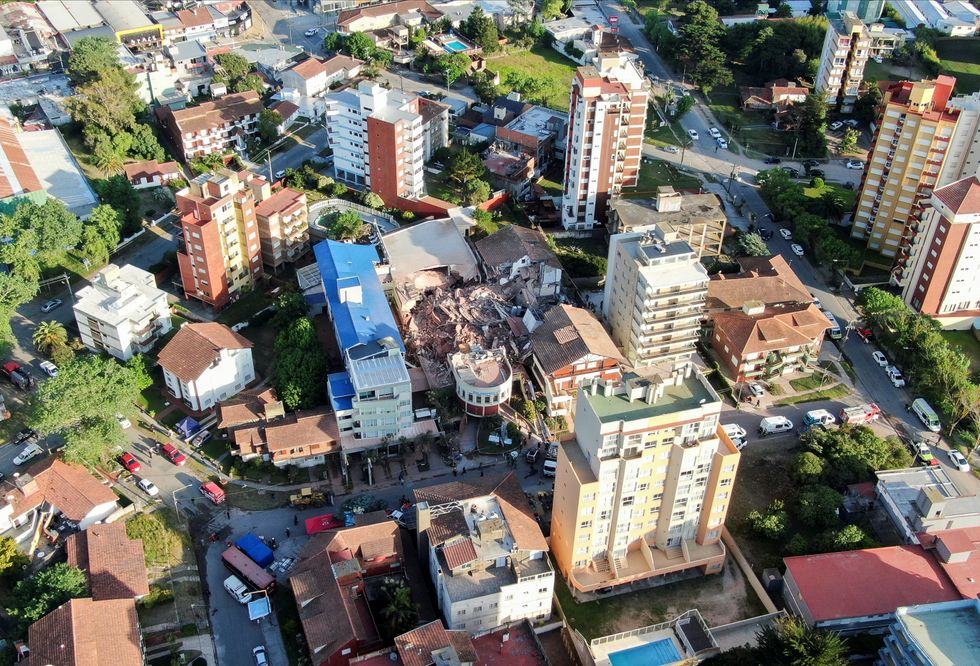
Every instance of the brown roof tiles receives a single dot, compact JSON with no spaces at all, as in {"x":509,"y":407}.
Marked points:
{"x":961,"y":197}
{"x":416,"y":647}
{"x":567,"y":334}
{"x":85,"y":632}
{"x":215,"y":113}
{"x":512,"y":243}
{"x":148,"y":170}
{"x":767,"y":279}
{"x":251,"y":406}
{"x":114,"y":562}
{"x":69,"y":488}
{"x":196,"y":346}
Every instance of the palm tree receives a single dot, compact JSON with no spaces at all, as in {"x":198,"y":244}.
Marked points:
{"x":399,"y":613}
{"x":49,"y":336}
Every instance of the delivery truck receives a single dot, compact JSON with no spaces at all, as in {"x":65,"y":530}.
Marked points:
{"x":255,"y":576}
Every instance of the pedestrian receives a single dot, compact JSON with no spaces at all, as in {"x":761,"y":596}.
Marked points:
{"x":295,"y":520}
{"x":454,"y":471}
{"x":481,"y":472}
{"x":462,"y":471}
{"x":287,"y":532}
{"x":227,"y":513}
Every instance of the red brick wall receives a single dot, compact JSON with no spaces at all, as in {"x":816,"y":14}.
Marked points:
{"x":382,"y":159}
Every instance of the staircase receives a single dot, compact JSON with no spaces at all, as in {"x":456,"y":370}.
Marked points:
{"x":601,"y":565}
{"x":674,"y":553}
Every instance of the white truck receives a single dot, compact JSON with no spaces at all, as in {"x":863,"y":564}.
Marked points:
{"x":772,"y":425}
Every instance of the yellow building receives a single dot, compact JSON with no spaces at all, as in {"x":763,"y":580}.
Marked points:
{"x":644,"y":489}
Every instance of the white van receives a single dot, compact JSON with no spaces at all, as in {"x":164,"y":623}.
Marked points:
{"x":772,"y":425}
{"x":549,"y":468}
{"x":237,"y":589}
{"x":926,"y":414}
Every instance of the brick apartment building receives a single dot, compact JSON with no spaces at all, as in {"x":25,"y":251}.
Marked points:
{"x":213,"y":127}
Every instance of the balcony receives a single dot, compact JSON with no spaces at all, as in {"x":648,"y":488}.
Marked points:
{"x":645,"y":561}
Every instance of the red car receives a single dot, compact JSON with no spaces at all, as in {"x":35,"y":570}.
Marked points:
{"x":129,"y":462}
{"x":173,"y":455}
{"x":866,"y":334}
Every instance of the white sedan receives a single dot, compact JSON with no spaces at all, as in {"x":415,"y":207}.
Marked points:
{"x":786,"y":234}
{"x":797,"y":249}
{"x":722,"y":143}
{"x":148,"y":487}
{"x":854,"y":164}
{"x":693,"y":134}
{"x":756,"y":389}
{"x":49,"y":368}
{"x":959,"y":461}
{"x":880,"y":359}
{"x":714,"y":132}
{"x":734,"y":430}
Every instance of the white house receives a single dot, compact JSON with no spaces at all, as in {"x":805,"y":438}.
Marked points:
{"x":122,"y":312}
{"x":313,"y":77}
{"x":143,"y":175}
{"x":206,"y":363}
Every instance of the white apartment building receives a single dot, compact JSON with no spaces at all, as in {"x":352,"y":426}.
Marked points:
{"x":486,"y":554}
{"x":606,"y":119}
{"x":846,"y":50}
{"x":382,"y":138}
{"x":121,"y":312}
{"x":654,"y":297}
{"x":204,"y":364}
{"x":643,"y":489}
{"x":963,"y":154}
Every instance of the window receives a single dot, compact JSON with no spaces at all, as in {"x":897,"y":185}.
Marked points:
{"x":585,"y":524}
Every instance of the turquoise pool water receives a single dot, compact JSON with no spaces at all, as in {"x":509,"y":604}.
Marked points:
{"x":657,"y":653}
{"x":455,"y":46}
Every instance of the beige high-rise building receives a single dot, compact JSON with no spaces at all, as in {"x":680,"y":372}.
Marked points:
{"x":846,"y":50}
{"x":606,"y":119}
{"x":654,"y":297}
{"x":924,"y":140}
{"x":644,"y":489}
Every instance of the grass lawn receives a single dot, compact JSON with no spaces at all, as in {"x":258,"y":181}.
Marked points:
{"x":811,"y":382}
{"x":655,"y":173}
{"x":832,"y":393}
{"x":77,"y":146}
{"x":215,"y":447}
{"x":256,"y":500}
{"x":849,"y":196}
{"x":551,"y":182}
{"x":750,"y":128}
{"x":582,"y":257}
{"x":244,"y":307}
{"x":544,"y":63}
{"x":152,"y":400}
{"x":438,"y":185}
{"x":163,"y":537}
{"x":966,"y":343}
{"x":889,"y":71}
{"x":961,"y":58}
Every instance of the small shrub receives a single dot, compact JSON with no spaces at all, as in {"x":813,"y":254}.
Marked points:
{"x":158,"y":595}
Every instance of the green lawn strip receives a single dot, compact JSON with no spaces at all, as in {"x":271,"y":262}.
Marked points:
{"x":849,"y":196}
{"x":960,"y":57}
{"x":582,"y":257}
{"x":967,"y":343}
{"x":243,"y":309}
{"x":164,"y":539}
{"x":551,"y":182}
{"x":543,"y":62}
{"x":832,"y":393}
{"x":249,"y":499}
{"x":811,"y":382}
{"x":655,"y":173}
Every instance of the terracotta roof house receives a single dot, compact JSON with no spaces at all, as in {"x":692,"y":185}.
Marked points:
{"x":213,"y":127}
{"x":487,"y":556}
{"x":958,"y":553}
{"x":762,"y":320}
{"x":328,"y":583}
{"x":53,"y":486}
{"x":301,"y":438}
{"x":206,"y":363}
{"x":250,"y":407}
{"x":859,"y":590}
{"x":775,"y":95}
{"x":569,"y":348}
{"x":115,"y":563}
{"x":409,"y":13}
{"x":520,"y":253}
{"x":85,"y":632}
{"x":314,"y":77}
{"x":147,"y":174}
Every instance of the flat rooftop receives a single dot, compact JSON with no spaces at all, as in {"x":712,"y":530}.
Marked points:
{"x":948,"y":633}
{"x":637,"y":214}
{"x":426,"y":246}
{"x":537,"y":121}
{"x":692,"y":393}
{"x":475,"y":584}
{"x":482,"y":369}
{"x":902,"y":486}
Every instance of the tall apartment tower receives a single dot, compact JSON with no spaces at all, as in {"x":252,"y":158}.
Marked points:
{"x":846,"y":50}
{"x":944,"y":264}
{"x":868,"y":11}
{"x":654,"y":297}
{"x":219,"y":252}
{"x":644,"y":489}
{"x":924,"y":140}
{"x":606,"y":118}
{"x":381,"y":139}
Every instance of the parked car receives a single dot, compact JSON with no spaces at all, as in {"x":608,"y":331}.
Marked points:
{"x":201,"y":438}
{"x":148,"y":487}
{"x":815,"y":173}
{"x":880,"y":358}
{"x":734,"y":430}
{"x":756,"y":389}
{"x":809,"y":164}
{"x":786,"y":233}
{"x":260,"y":656}
{"x":797,"y":249}
{"x":895,"y":375}
{"x":836,"y":125}
{"x":772,"y":425}
{"x":124,"y":423}
{"x":673,"y":150}
{"x":865,"y":334}
{"x":130,"y":463}
{"x":958,"y":461}
{"x":549,"y":468}
{"x":531,"y":456}
{"x":51,"y":305}
{"x":311,"y":32}
{"x":713,"y":131}
{"x":25,"y":436}
{"x":279,"y":175}
{"x":854,"y":164}
{"x":722,"y":142}
{"x":773,"y":160}
{"x":852,"y":122}
{"x":18,"y":375}
{"x":29,"y":452}
{"x":171,"y":453}
{"x":49,"y":368}
{"x":693,"y":134}
{"x":765,"y":233}
{"x":922,"y":452}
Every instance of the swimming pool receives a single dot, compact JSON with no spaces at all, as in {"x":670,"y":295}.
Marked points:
{"x":656,"y":653}
{"x":454,"y":46}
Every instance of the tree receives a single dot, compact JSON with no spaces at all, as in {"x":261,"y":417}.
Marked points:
{"x":38,"y":595}
{"x":484,"y":87}
{"x":551,"y":9}
{"x":290,"y":305}
{"x":783,"y":11}
{"x":453,"y":66}
{"x":91,"y":57}
{"x":849,"y":537}
{"x":482,"y":29}
{"x":773,"y":523}
{"x":300,"y":370}
{"x":881,"y":308}
{"x":333,"y":42}
{"x":120,"y":194}
{"x":751,"y":245}
{"x":107,"y":156}
{"x":811,"y":124}
{"x":867,"y":106}
{"x":789,"y":641}
{"x":853,"y":454}
{"x":346,"y":225}
{"x":88,"y":390}
{"x":100,"y":234}
{"x":465,"y":166}
{"x":145,"y":145}
{"x":92,"y":443}
{"x":15,"y":290}
{"x":269,"y":122}
{"x":698,"y":46}
{"x":140,"y":367}
{"x":399,"y":612}
{"x":56,"y":229}
{"x":108,"y":103}
{"x":358,"y":45}
{"x":235,"y":66}
{"x":849,"y":141}
{"x":817,"y":506}
{"x":476,"y":191}
{"x":11,"y":558}
{"x":48,"y":336}
{"x":372,"y":200}
{"x":808,"y":468}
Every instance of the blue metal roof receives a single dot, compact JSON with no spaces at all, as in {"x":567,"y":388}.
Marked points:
{"x":341,"y":391}
{"x":349,"y":265}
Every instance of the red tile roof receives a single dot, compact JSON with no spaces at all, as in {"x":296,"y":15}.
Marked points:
{"x":147,"y":170}
{"x":216,"y":113}
{"x":69,"y":488}
{"x":416,"y":647}
{"x":192,"y":18}
{"x":115,"y":563}
{"x":17,"y":176}
{"x":282,"y":202}
{"x":459,"y":553}
{"x":84,"y":632}
{"x":961,"y":197}
{"x":196,"y":347}
{"x":251,"y":406}
{"x":308,"y":68}
{"x":874,"y":581}
{"x":285,"y":108}
{"x":964,"y":574}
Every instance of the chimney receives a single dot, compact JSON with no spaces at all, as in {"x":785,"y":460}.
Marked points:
{"x":261,"y":189}
{"x":753,"y":308}
{"x":596,"y":36}
{"x":668,"y":199}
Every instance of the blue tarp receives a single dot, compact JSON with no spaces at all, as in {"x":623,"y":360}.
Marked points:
{"x":187,"y":427}
{"x":341,"y":391}
{"x":256,"y":549}
{"x":259,"y":608}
